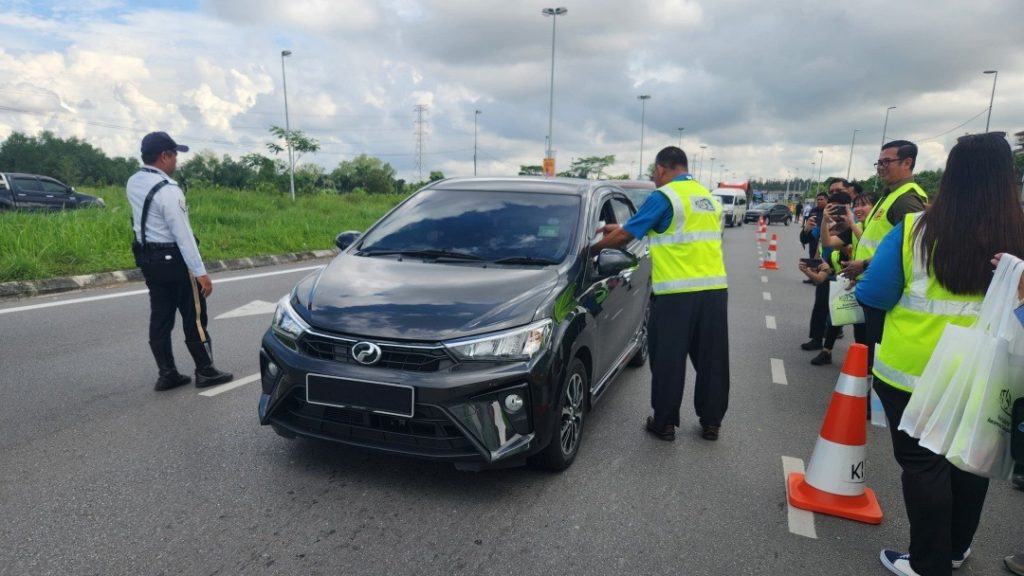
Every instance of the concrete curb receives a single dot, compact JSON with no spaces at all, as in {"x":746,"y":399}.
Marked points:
{"x":30,"y":288}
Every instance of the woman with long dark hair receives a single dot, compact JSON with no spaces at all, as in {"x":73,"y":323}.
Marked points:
{"x":930,"y":271}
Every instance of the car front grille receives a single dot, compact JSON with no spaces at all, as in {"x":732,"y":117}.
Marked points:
{"x":393,"y":356}
{"x":429,"y":433}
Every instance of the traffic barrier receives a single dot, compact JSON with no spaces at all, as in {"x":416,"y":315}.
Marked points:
{"x":762,"y":229}
{"x":771,"y":262}
{"x":835,"y":483}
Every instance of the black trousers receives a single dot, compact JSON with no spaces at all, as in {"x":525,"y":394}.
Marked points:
{"x":819,"y":313}
{"x":694,"y":325}
{"x":182,"y":296}
{"x":874,"y":324}
{"x":943,"y":502}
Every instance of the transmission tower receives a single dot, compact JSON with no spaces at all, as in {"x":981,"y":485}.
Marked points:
{"x":419,"y":109}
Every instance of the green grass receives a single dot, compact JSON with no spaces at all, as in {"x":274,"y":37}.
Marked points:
{"x":229,"y":223}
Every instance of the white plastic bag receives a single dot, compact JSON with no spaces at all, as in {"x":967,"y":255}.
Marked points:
{"x":842,"y":303}
{"x":956,"y":344}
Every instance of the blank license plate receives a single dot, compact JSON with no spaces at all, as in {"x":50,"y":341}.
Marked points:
{"x":379,"y":397}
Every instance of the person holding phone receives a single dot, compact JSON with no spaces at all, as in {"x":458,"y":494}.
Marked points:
{"x":822,"y":271}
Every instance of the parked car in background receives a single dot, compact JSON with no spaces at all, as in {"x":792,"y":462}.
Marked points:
{"x":470,"y":324}
{"x":773,"y":213}
{"x":734,"y":205}
{"x":41,"y":193}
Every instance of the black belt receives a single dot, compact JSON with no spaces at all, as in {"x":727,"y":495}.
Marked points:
{"x":161,"y":245}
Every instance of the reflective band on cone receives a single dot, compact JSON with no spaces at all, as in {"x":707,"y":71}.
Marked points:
{"x":835,"y":479}
{"x":762,"y":230}
{"x":771,"y":263}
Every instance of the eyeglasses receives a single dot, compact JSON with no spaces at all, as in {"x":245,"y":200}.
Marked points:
{"x":884,"y":162}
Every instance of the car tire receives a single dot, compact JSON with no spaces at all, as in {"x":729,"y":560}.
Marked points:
{"x":572,"y":402}
{"x":787,"y":221}
{"x":640,"y":356}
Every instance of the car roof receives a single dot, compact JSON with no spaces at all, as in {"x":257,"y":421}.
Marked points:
{"x":634,"y":184}
{"x":534,"y":184}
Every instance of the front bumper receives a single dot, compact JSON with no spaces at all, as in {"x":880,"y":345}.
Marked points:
{"x":459,"y":415}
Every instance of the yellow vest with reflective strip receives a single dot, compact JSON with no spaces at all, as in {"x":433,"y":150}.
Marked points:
{"x":687,"y":257}
{"x":877,"y":225}
{"x":914,"y":326}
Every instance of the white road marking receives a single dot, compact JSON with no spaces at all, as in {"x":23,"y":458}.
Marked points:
{"x":254,"y":308}
{"x":767,"y":296}
{"x":137,"y":292}
{"x":770,"y":322}
{"x":230,"y":385}
{"x":764,"y":279}
{"x":801,"y":522}
{"x":778,"y":372}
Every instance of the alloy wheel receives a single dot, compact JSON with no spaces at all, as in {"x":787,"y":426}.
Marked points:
{"x":572,"y":414}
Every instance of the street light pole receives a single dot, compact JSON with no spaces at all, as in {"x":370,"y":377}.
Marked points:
{"x":643,"y":98}
{"x":700,"y":168}
{"x":711,"y":174}
{"x":680,"y":137}
{"x":993,"y":97}
{"x":812,"y":178}
{"x":885,"y":126}
{"x":850,"y":162}
{"x":287,"y":125}
{"x":821,"y":161}
{"x":554,"y":13}
{"x":475,"y":114}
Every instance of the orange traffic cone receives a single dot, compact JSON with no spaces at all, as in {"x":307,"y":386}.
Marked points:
{"x":762,"y":230}
{"x":834,"y":483}
{"x":771,"y":263}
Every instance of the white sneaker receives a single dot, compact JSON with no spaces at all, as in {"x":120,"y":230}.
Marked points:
{"x":897,"y":563}
{"x":958,"y":562}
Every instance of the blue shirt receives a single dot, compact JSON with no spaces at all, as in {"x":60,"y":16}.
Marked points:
{"x":655,"y":213}
{"x":882,"y":284}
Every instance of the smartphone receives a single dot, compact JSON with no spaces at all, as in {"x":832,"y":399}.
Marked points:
{"x":811,"y":262}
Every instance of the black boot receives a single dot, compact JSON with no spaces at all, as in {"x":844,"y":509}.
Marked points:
{"x":169,"y":376}
{"x":206,"y":373}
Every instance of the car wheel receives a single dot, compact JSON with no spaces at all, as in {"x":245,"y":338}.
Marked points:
{"x":787,"y":221}
{"x":566,"y":443}
{"x":640,"y":356}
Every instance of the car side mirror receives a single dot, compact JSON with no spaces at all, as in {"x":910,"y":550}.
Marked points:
{"x":346,"y":238}
{"x":611,"y":262}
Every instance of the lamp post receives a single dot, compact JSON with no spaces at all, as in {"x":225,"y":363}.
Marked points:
{"x":821,"y":161}
{"x":643,"y":98}
{"x":476,"y":113}
{"x":991,"y":99}
{"x":287,"y":125}
{"x":554,"y":13}
{"x":885,"y":126}
{"x":700,"y":168}
{"x":850,"y":162}
{"x":680,"y":137}
{"x":711,"y":174}
{"x":812,"y":178}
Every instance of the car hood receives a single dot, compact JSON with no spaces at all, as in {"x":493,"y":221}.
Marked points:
{"x":409,"y":299}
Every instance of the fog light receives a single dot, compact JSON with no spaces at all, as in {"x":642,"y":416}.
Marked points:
{"x":272,"y":369}
{"x":513,"y":403}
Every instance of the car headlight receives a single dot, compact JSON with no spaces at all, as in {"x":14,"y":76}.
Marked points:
{"x":287,"y":325}
{"x":517,"y":344}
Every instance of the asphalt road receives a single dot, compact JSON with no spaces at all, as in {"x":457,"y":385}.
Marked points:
{"x":101,"y":475}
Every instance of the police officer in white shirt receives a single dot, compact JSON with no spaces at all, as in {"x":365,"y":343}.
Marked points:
{"x":168,"y":254}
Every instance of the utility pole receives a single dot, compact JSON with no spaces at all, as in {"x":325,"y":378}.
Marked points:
{"x":419,"y":109}
{"x":475,"y":115}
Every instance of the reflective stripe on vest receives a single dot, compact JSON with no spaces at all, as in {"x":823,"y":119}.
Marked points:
{"x":913,"y":327}
{"x":877,"y":225}
{"x":687,"y":257}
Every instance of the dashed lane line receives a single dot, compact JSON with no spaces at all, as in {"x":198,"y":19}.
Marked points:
{"x":801,"y":522}
{"x":778,"y":372}
{"x":769,"y":321}
{"x":767,"y":296}
{"x":764,"y":279}
{"x":230,"y":386}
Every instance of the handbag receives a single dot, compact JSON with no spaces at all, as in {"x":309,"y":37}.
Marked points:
{"x":842,"y":303}
{"x":981,"y":444}
{"x":946,"y":383}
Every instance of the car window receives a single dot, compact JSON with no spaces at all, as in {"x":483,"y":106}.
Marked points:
{"x":741,"y":201}
{"x":53,"y":187}
{"x":764,"y":206}
{"x":623,"y":211}
{"x":726,"y":200}
{"x":27,"y":184}
{"x":638,"y":195}
{"x":489,"y":225}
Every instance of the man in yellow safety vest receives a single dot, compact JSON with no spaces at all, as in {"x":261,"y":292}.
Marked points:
{"x":689,"y":310}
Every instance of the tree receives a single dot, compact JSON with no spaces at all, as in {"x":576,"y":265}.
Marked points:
{"x":590,"y":166}
{"x":364,"y":173}
{"x":436,"y":175}
{"x":295,"y":139}
{"x":531,"y":170}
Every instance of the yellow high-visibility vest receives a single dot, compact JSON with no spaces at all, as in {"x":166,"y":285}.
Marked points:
{"x":877,"y":225}
{"x":913,"y":327}
{"x":687,"y":257}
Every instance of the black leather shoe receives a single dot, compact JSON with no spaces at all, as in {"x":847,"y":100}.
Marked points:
{"x":822,"y":359}
{"x":811,"y":345}
{"x":168,"y":381}
{"x":666,"y":432}
{"x":709,"y":432}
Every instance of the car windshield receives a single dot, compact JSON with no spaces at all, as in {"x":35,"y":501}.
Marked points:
{"x":725,"y":199}
{"x":766,"y":206}
{"x":516,"y":227}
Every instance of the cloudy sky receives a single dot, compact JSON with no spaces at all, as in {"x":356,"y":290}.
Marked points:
{"x":763,"y":85}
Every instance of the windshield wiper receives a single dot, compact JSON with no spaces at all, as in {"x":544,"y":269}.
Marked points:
{"x":525,"y":260}
{"x":422,"y":253}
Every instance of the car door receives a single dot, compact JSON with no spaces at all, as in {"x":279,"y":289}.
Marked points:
{"x":56,"y":195}
{"x":28,"y":193}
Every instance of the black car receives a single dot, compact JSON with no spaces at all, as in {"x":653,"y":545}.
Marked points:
{"x":470,"y":324}
{"x":772,"y":213}
{"x":41,"y":193}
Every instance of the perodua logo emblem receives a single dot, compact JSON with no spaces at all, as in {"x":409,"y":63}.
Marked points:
{"x":366,"y":353}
